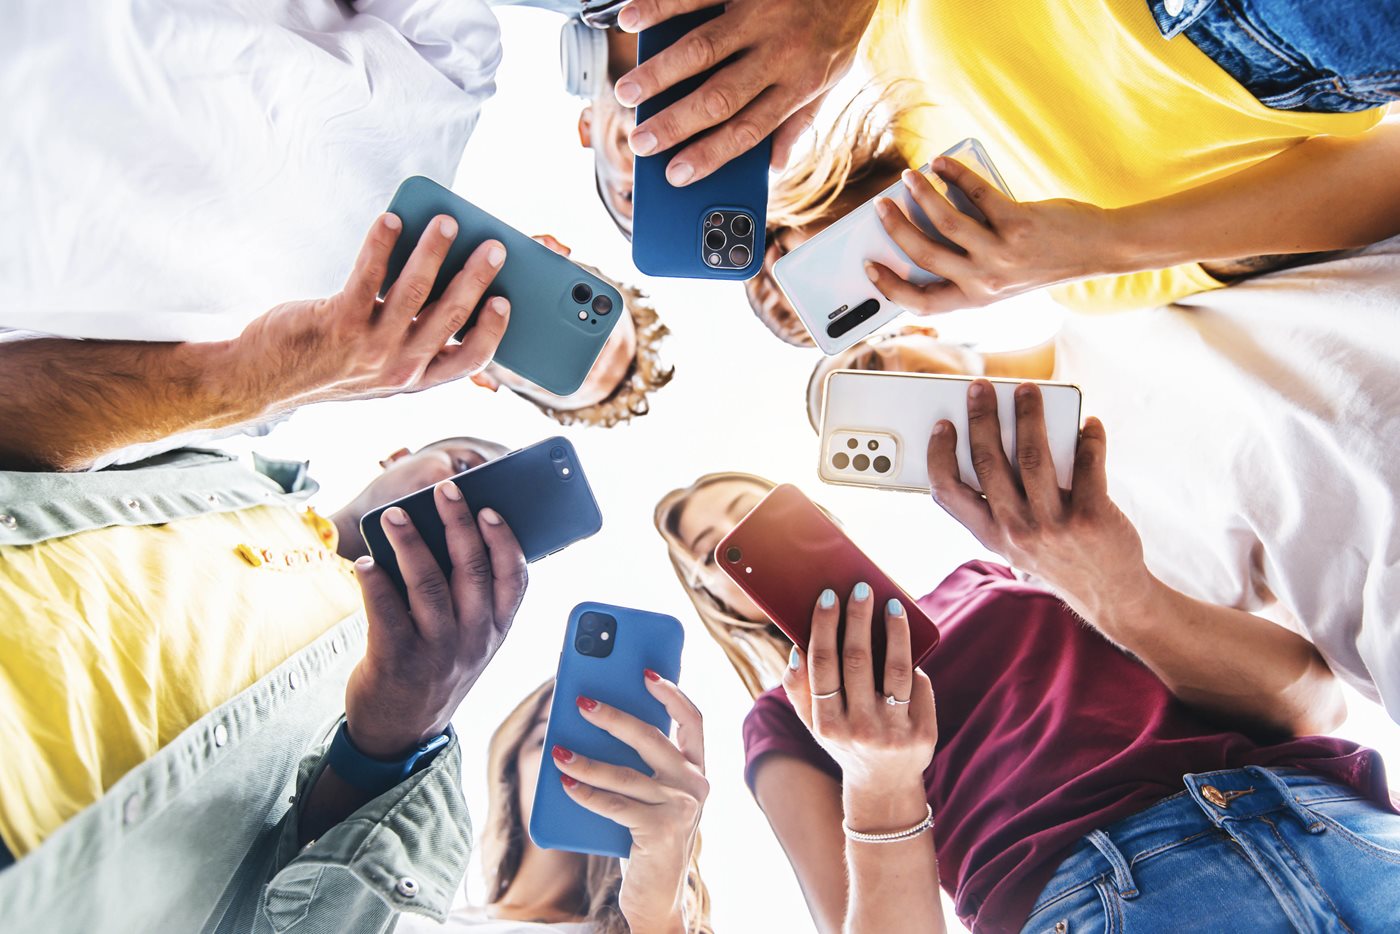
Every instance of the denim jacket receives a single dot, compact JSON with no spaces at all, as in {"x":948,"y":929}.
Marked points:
{"x":202,"y":837}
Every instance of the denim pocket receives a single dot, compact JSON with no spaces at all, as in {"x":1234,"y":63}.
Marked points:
{"x":1372,"y":830}
{"x":1084,"y":910}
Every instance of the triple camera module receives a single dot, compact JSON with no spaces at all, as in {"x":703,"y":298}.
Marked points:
{"x":597,"y":632}
{"x":601,"y":305}
{"x":728,"y":239}
{"x":862,"y":454}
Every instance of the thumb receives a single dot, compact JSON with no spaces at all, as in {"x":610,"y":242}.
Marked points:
{"x":795,"y":683}
{"x":485,"y":380}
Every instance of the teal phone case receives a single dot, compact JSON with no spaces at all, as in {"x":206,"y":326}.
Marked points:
{"x":547,"y":341}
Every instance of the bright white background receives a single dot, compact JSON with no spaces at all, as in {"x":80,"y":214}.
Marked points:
{"x":736,"y":404}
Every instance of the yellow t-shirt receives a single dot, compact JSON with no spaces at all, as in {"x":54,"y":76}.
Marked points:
{"x":1083,"y":100}
{"x":115,"y":640}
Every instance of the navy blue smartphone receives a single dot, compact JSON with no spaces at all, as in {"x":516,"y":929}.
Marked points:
{"x":606,"y":650}
{"x":560,"y":314}
{"x":713,"y":228}
{"x":540,"y":491}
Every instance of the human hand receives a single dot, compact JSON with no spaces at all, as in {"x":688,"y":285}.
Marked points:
{"x":423,"y":657}
{"x":781,"y":59}
{"x":1022,"y":246}
{"x":879,"y":741}
{"x":1076,"y":540}
{"x":354,"y":346}
{"x":661,"y":810}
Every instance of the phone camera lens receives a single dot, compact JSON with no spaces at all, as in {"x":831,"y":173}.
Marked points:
{"x":741,"y":225}
{"x":582,"y":293}
{"x":882,"y":464}
{"x":732,"y":554}
{"x":556,"y":452}
{"x":873,"y":445}
{"x":715,"y":260}
{"x":714,"y":239}
{"x":602,"y":304}
{"x":839,"y":460}
{"x":586,"y":644}
{"x":860,"y":462}
{"x":852,"y":443}
{"x":739,"y":256}
{"x":716,"y":219}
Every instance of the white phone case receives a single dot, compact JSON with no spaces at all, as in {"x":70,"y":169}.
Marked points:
{"x":870,"y":415}
{"x":825,"y":279}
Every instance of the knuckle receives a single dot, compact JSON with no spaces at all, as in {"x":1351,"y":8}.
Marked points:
{"x":478,"y":568}
{"x":1029,"y":457}
{"x":416,"y":289}
{"x":821,"y":657}
{"x":433,"y":590}
{"x":899,"y":671}
{"x":746,"y":134}
{"x":856,"y":659}
{"x":702,"y":788}
{"x":717,"y":103}
{"x":983,"y":461}
{"x":700,"y":50}
{"x":977,"y":192}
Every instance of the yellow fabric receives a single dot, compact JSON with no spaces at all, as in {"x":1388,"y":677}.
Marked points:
{"x":1083,"y":100}
{"x":113,"y":641}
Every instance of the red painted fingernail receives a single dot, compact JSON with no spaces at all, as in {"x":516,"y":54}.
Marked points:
{"x":568,"y":782}
{"x":651,"y":675}
{"x":562,"y":754}
{"x":587,"y":703}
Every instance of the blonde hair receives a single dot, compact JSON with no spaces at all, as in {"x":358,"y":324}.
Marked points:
{"x":503,"y":841}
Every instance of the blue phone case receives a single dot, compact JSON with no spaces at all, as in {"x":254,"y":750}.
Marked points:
{"x":546,"y":341}
{"x":643,"y":640}
{"x":540,"y":491}
{"x":668,"y":223}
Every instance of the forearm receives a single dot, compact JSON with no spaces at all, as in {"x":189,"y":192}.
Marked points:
{"x":64,"y":403}
{"x":1227,"y":661}
{"x":1326,"y":193}
{"x":893,"y":886}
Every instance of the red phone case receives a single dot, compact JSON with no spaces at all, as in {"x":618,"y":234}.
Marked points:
{"x":788,"y":551}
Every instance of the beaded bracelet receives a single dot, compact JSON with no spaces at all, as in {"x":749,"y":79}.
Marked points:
{"x":895,"y":837}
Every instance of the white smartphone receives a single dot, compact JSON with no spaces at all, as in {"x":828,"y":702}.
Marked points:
{"x":825,"y":279}
{"x":876,"y":426}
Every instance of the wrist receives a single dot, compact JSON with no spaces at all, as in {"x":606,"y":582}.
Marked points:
{"x":1121,"y":604}
{"x":884,"y":806}
{"x":236,"y":377}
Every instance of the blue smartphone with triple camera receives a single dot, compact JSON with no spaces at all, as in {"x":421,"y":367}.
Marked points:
{"x":560,"y":314}
{"x":607,"y":649}
{"x":540,"y":491}
{"x":713,"y":228}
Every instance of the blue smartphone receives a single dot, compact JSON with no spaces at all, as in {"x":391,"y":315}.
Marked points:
{"x":713,"y":228}
{"x":540,"y":491}
{"x":560,"y":315}
{"x":606,"y":650}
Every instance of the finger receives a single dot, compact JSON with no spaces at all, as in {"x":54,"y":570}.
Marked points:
{"x":922,"y":709}
{"x":734,"y":137}
{"x":690,"y":724}
{"x":510,"y":574}
{"x":655,"y":747}
{"x":989,"y":456}
{"x":722,"y":96}
{"x":965,"y":231}
{"x":989,"y":200}
{"x":926,"y":253}
{"x":372,"y":265}
{"x":899,"y":661}
{"x":932,"y":299}
{"x":643,"y":14}
{"x":478,"y":346}
{"x":799,"y":692}
{"x":1089,"y":486}
{"x":824,"y":660}
{"x":787,"y":134}
{"x":619,"y":780}
{"x":436,"y":325}
{"x":857,"y":658}
{"x":429,"y":596}
{"x":1033,"y":458}
{"x":385,"y":609}
{"x":613,"y":806}
{"x":697,"y":52}
{"x":552,"y":242}
{"x":410,"y":291}
{"x":470,"y":579}
{"x":953,"y":496}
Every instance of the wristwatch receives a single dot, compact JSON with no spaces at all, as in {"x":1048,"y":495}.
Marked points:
{"x":376,"y":776}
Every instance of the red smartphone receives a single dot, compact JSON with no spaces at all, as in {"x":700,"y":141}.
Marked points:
{"x":786,"y":551}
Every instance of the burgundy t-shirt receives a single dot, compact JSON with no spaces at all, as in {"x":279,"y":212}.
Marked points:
{"x":1046,"y":731}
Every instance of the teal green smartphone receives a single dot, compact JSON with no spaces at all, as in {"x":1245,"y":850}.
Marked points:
{"x":560,"y":314}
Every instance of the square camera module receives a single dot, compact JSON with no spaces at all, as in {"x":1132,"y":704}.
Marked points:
{"x":596,"y":634}
{"x":863,"y":455}
{"x":727,"y":239}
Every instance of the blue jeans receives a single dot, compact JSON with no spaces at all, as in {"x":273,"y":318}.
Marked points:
{"x":1327,"y":56}
{"x":1257,"y":850}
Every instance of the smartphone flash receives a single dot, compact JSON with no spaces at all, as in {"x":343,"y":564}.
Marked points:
{"x":604,"y":636}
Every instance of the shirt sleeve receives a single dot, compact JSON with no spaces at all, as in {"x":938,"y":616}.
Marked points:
{"x":406,"y":850}
{"x":773,"y":727}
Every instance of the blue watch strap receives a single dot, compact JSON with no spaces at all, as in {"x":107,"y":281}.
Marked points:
{"x":376,"y":776}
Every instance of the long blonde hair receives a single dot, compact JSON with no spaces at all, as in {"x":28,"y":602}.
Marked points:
{"x":503,"y":841}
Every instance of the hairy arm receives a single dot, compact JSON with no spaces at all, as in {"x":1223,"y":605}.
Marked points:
{"x":803,"y":806}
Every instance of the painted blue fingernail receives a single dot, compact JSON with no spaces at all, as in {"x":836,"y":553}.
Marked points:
{"x":827,"y":599}
{"x":792,"y":658}
{"x":862,"y":591}
{"x":894,"y":608}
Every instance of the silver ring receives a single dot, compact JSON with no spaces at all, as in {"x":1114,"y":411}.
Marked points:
{"x":828,"y":694}
{"x":893,"y":701}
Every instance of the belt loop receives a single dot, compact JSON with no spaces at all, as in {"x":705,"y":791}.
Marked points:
{"x":1310,"y":821}
{"x":1122,"y":874}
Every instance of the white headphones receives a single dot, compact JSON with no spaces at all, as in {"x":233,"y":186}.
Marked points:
{"x":583,"y":56}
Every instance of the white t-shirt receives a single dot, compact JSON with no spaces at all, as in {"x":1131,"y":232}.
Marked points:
{"x":171,"y":169}
{"x":1254,"y":439}
{"x":473,"y":920}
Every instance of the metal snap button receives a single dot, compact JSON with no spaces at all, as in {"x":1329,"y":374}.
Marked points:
{"x":335,"y":646}
{"x":294,"y":680}
{"x":213,"y":498}
{"x":133,"y":503}
{"x":407,"y":887}
{"x":1213,"y":795}
{"x":131,"y":809}
{"x":1174,"y":7}
{"x":8,"y":521}
{"x":220,"y":735}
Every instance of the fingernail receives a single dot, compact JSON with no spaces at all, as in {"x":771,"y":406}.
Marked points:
{"x":489,"y":516}
{"x":828,"y":599}
{"x":651,"y":675}
{"x":871,"y":273}
{"x":450,"y":490}
{"x":586,"y":703}
{"x":448,"y":227}
{"x":392,"y":221}
{"x":884,"y":206}
{"x":908,"y":176}
{"x":941,"y":428}
{"x":940,"y":164}
{"x":496,"y":256}
{"x":894,"y":608}
{"x":628,"y":93}
{"x":568,"y":781}
{"x":396,"y":515}
{"x":643,"y":143}
{"x":1025,"y":390}
{"x":364,"y":563}
{"x":978,"y":390}
{"x":793,"y":660}
{"x":679,"y":174}
{"x":862,"y":591}
{"x":562,"y":754}
{"x":499,"y":306}
{"x":629,"y":19}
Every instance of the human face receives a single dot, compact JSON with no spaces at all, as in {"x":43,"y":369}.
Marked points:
{"x":611,"y":367}
{"x":527,"y":763}
{"x":767,"y":299}
{"x":708,"y":514}
{"x":603,"y":126}
{"x":908,"y":350}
